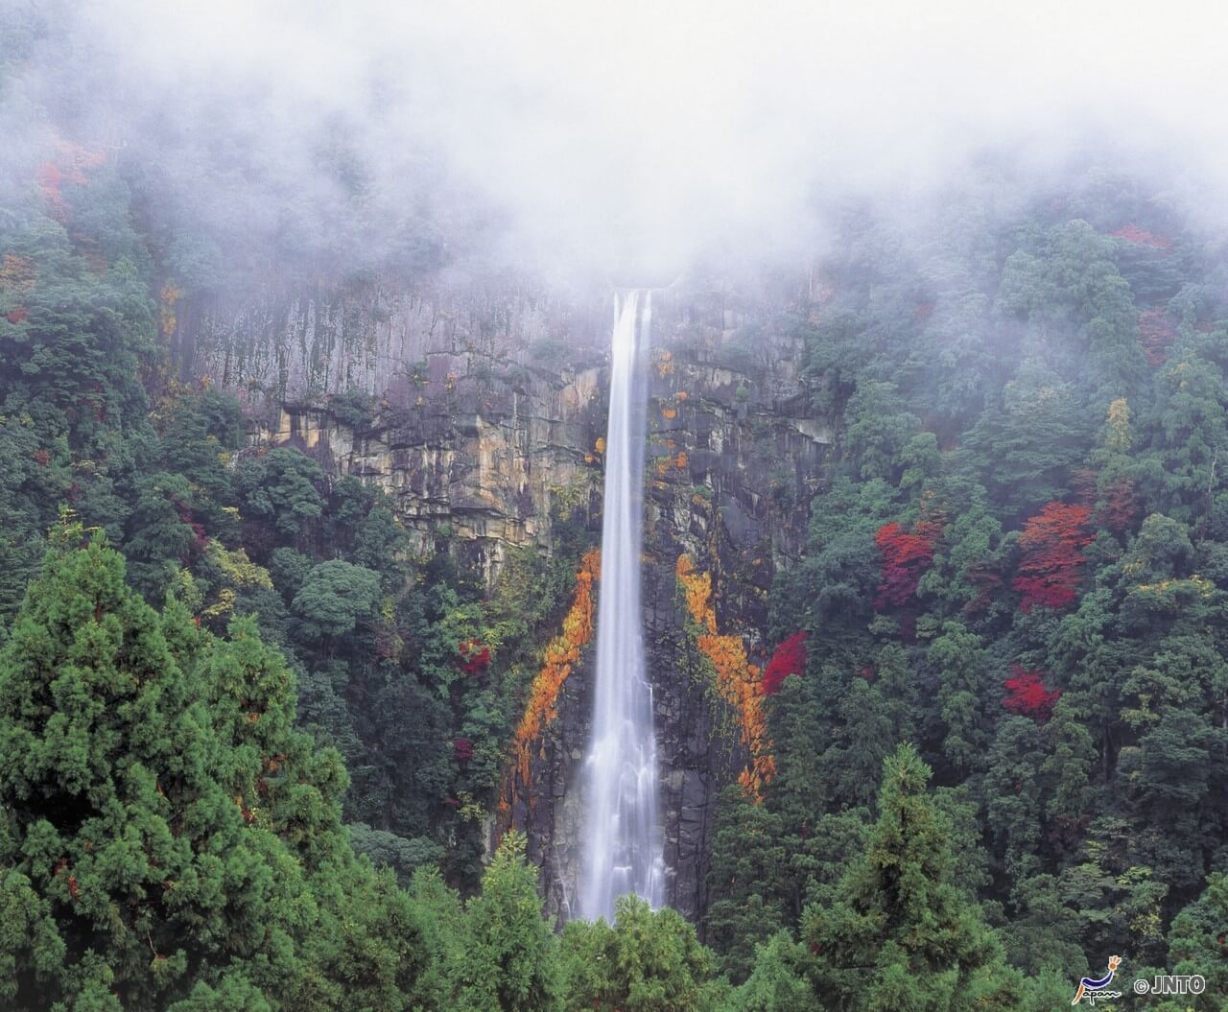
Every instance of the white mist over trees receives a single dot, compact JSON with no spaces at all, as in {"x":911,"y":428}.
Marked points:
{"x":584,"y":140}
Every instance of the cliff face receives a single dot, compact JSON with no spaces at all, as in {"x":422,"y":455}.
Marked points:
{"x":480,"y":410}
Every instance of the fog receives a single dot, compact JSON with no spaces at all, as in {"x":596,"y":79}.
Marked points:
{"x":604,"y":141}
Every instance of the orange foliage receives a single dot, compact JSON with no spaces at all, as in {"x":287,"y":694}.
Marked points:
{"x":698,"y":590}
{"x":669,"y":413}
{"x":561,"y":655}
{"x":70,"y":165}
{"x":737,"y":680}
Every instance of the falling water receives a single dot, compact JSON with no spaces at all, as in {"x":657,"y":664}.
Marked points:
{"x":621,"y":836}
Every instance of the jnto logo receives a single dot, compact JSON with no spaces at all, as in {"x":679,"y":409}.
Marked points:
{"x":1097,"y":988}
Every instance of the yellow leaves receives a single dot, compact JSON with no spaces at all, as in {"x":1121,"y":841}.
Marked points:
{"x":670,"y":411}
{"x":599,"y":446}
{"x":697,"y":587}
{"x":664,"y":362}
{"x":238,"y":568}
{"x":738,"y":681}
{"x":239,"y":572}
{"x":249,"y":816}
{"x":224,"y":605}
{"x":560,"y":656}
{"x":1200,"y":585}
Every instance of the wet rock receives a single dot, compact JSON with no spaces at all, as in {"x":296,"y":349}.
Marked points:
{"x":483,"y":405}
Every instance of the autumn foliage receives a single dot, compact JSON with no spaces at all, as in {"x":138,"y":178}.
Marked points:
{"x":1027,"y":696}
{"x":473,"y":656}
{"x":561,"y":655}
{"x":1137,"y":236}
{"x":72,"y":164}
{"x":1052,"y":544}
{"x":789,"y":659}
{"x":739,"y":682}
{"x":906,"y":557}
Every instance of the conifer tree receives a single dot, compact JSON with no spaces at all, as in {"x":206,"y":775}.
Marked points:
{"x":898,"y":934}
{"x":510,"y":959}
{"x":167,"y":841}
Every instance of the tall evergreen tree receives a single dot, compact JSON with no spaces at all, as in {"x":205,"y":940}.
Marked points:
{"x":898,"y":934}
{"x":166,"y":837}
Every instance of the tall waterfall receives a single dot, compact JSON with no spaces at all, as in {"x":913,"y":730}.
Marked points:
{"x":623,"y":850}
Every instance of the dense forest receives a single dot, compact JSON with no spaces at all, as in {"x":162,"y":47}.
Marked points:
{"x":999,"y":704}
{"x":253,"y":735}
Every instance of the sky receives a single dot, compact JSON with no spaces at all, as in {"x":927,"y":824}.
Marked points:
{"x":617,"y":139}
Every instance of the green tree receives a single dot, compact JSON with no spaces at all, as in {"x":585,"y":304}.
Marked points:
{"x":334,"y":597}
{"x":749,"y":860}
{"x":166,"y":835}
{"x":898,"y":933}
{"x":647,"y":961}
{"x":510,"y":961}
{"x":779,"y":981}
{"x":281,"y":488}
{"x":1196,"y":941}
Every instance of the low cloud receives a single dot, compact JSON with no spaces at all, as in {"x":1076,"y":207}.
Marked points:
{"x":605,"y":140}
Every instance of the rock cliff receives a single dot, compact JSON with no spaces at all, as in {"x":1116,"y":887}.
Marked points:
{"x":478,"y":408}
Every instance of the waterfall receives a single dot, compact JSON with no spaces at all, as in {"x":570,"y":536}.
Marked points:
{"x":623,"y":850}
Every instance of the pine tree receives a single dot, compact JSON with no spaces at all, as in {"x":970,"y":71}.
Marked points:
{"x":898,"y":934}
{"x":646,"y":961}
{"x":166,"y":836}
{"x":510,"y":960}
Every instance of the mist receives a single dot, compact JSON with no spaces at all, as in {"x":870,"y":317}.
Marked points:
{"x":597,"y":142}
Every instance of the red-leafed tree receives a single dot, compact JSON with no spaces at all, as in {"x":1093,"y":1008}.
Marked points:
{"x":1052,"y":543}
{"x":1027,"y":696}
{"x":906,"y":556}
{"x":474,"y":656}
{"x":789,"y":659}
{"x":462,"y":749}
{"x":1138,"y":236}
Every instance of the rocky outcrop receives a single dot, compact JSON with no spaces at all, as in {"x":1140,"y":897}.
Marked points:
{"x":480,"y":410}
{"x":474,"y":411}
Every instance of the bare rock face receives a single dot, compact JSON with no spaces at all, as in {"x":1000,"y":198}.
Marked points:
{"x":478,"y":409}
{"x":474,"y":408}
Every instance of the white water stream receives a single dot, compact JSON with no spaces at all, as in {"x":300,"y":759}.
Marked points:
{"x":621,"y":836}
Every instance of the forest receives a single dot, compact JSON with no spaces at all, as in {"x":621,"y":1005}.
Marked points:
{"x":256,"y":732}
